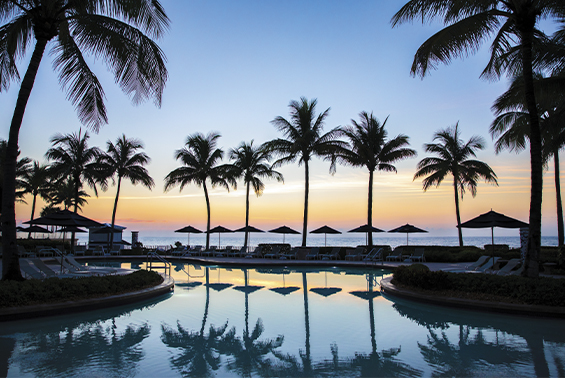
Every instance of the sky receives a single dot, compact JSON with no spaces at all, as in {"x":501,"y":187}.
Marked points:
{"x":235,"y":66}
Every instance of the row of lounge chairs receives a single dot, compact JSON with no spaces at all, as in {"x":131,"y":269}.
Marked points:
{"x":486,"y":264}
{"x":36,"y":268}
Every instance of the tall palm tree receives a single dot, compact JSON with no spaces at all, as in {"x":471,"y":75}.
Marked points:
{"x":453,"y":159}
{"x":371,"y":149}
{"x":119,"y":32}
{"x":514,"y":26}
{"x":252,"y":163}
{"x":200,"y":158}
{"x":304,"y":140}
{"x":512,"y":128}
{"x":123,"y":160}
{"x":23,"y":165}
{"x":73,"y":158}
{"x":37,"y":182}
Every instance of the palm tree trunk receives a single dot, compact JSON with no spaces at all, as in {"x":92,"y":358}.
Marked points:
{"x":457,"y":209}
{"x":306,"y":190}
{"x":10,"y":262}
{"x":114,"y":211}
{"x":246,"y":215}
{"x":208,"y":222}
{"x":77,"y":189}
{"x":531,"y":259}
{"x":32,"y":212}
{"x":370,"y":209}
{"x":560,"y":236}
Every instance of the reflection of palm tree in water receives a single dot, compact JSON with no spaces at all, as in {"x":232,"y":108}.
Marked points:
{"x":200,"y":352}
{"x":249,"y":351}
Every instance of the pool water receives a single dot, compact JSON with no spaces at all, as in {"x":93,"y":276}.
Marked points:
{"x":229,"y":322}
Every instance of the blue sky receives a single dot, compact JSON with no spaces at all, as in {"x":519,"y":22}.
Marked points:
{"x":234,"y":66}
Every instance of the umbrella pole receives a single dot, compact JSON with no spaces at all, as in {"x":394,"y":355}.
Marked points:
{"x":325,"y":240}
{"x":492,"y":243}
{"x":407,"y":238}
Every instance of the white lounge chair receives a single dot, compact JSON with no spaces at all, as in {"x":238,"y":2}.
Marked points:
{"x":274,"y":254}
{"x":334,"y":254}
{"x":510,"y":265}
{"x":418,"y":255}
{"x":355,"y":254}
{"x":477,"y":263}
{"x":395,"y":255}
{"x":29,"y":270}
{"x":94,"y":269}
{"x":313,"y":254}
{"x":376,"y":254}
{"x":50,"y":273}
{"x":489,"y":265}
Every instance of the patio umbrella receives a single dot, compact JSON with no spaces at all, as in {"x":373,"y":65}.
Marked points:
{"x":64,"y":218}
{"x":219,"y":230}
{"x":284,"y":290}
{"x":326,"y":291}
{"x":189,"y":230}
{"x":366,"y":229}
{"x":248,"y":229}
{"x":325,"y":230}
{"x":408,"y":229}
{"x":284,"y":230}
{"x":71,"y":229}
{"x":491,"y":220}
{"x":35,"y":229}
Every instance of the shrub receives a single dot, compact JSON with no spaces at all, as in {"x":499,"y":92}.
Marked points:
{"x":536,"y":291}
{"x":14,"y":293}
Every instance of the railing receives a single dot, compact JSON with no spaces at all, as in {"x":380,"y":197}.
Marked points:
{"x":160,"y":259}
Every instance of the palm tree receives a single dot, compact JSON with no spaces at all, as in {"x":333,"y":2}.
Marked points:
{"x":200,"y":158}
{"x":252,"y":163}
{"x":468,"y":24}
{"x":304,"y":139}
{"x":22,"y":167}
{"x":119,"y":32}
{"x":514,"y":23}
{"x":512,"y":127}
{"x":123,"y":160}
{"x":36,"y":182}
{"x":453,"y":159}
{"x":371,"y":149}
{"x":73,"y":158}
{"x":63,"y":193}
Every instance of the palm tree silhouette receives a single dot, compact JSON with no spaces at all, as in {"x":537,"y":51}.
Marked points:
{"x":123,"y":160}
{"x":199,"y":355}
{"x":304,"y":139}
{"x":513,"y":23}
{"x":200,"y":158}
{"x":73,"y":158}
{"x":371,"y":149}
{"x":23,"y":165}
{"x":512,"y":128}
{"x":118,"y":32}
{"x":453,"y":159}
{"x":63,"y":193}
{"x":36,"y":181}
{"x":252,"y":163}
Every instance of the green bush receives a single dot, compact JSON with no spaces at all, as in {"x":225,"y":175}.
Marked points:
{"x":536,"y":291}
{"x":13,"y":293}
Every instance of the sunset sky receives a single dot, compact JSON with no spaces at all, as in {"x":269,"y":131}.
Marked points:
{"x":235,"y":65}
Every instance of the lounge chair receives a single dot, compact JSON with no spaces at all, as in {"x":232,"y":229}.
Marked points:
{"x":334,"y":254}
{"x":290,"y":254}
{"x":477,"y":263}
{"x":517,"y":272}
{"x":376,"y":254}
{"x":116,"y":250}
{"x":73,"y":269}
{"x":179,"y":251}
{"x":98,"y":250}
{"x":507,"y":269}
{"x":223,"y":253}
{"x":274,"y":254}
{"x":418,"y":255}
{"x":194,"y":251}
{"x":29,"y":270}
{"x":355,"y":254}
{"x":42,"y":250}
{"x":489,"y":264}
{"x":395,"y":255}
{"x":50,"y":273}
{"x":238,"y":252}
{"x":80,"y":250}
{"x":209,"y":252}
{"x":258,"y":253}
{"x":313,"y":254}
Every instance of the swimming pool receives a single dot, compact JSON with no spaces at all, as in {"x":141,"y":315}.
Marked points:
{"x":281,"y":322}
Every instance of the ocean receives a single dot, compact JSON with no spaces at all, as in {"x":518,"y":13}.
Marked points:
{"x":343,"y":240}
